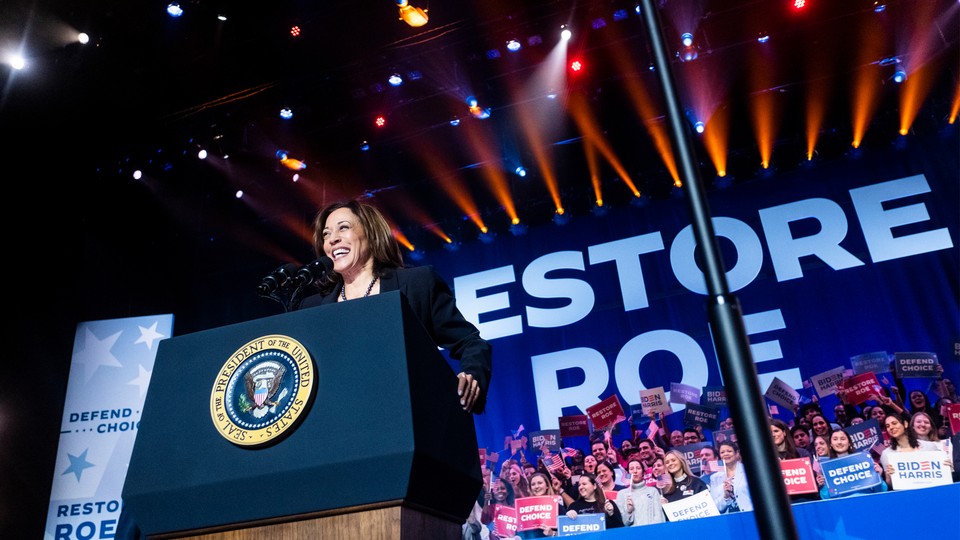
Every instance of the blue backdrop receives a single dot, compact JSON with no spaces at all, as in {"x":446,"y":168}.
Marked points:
{"x":831,"y":261}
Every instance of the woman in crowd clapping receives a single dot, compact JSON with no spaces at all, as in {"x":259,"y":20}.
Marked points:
{"x":681,"y":482}
{"x":729,"y":487}
{"x":593,"y":501}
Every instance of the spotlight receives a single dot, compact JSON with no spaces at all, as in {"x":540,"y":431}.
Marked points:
{"x":173,"y":9}
{"x":686,"y":39}
{"x":763,"y":37}
{"x":137,"y":174}
{"x":417,"y":255}
{"x":576,"y":66}
{"x":238,"y":194}
{"x":560,"y":217}
{"x":380,"y":121}
{"x":699,"y":126}
{"x":83,"y":38}
{"x":513,"y":45}
{"x":286,"y":113}
{"x":879,"y":7}
{"x":202,"y":154}
{"x":723,"y":181}
{"x":364,"y":146}
{"x":899,"y":76}
{"x":221,"y":17}
{"x":521,"y":172}
{"x":395,"y":80}
{"x":619,"y":14}
{"x":640,"y":201}
{"x":565,"y":33}
{"x":599,"y":209}
{"x":451,"y":245}
{"x":454,"y":121}
{"x":295,"y":31}
{"x":413,"y":16}
{"x":486,"y":237}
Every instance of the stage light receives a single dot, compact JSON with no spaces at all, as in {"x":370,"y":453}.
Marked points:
{"x":137,"y":174}
{"x":597,"y":24}
{"x":493,"y":54}
{"x":560,"y":217}
{"x":395,"y":80}
{"x":238,"y":194}
{"x":221,"y":17}
{"x":521,"y":172}
{"x":451,"y":245}
{"x":364,"y":146}
{"x":413,"y":16}
{"x":799,"y":4}
{"x":699,"y":126}
{"x":83,"y":38}
{"x":202,"y":154}
{"x":899,"y":76}
{"x":454,"y":122}
{"x":565,"y":33}
{"x":619,"y":14}
{"x":417,"y":255}
{"x":486,"y":237}
{"x":295,"y":177}
{"x":763,"y":37}
{"x":16,"y":61}
{"x":576,"y":66}
{"x":286,"y":113}
{"x":295,"y":31}
{"x":687,"y":39}
{"x":879,"y":7}
{"x":173,"y":9}
{"x":599,"y":209}
{"x":513,"y":45}
{"x":414,"y":75}
{"x":380,"y":121}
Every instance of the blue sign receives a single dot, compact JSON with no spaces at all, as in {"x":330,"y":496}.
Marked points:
{"x":585,"y":523}
{"x":849,"y":473}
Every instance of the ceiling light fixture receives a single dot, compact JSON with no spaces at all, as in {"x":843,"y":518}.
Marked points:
{"x":413,"y":16}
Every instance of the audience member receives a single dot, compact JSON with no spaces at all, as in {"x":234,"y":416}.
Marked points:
{"x":923,"y":425}
{"x":801,"y":438}
{"x":681,"y":483}
{"x":729,"y":487}
{"x":605,"y":477}
{"x":593,"y":501}
{"x":841,"y":446}
{"x":639,"y":504}
{"x":903,"y":439}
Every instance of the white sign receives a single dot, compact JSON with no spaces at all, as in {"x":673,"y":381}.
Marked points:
{"x":698,"y":505}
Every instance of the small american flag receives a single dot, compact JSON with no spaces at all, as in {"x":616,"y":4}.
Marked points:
{"x":652,"y":430}
{"x":554,"y":463}
{"x":569,"y":452}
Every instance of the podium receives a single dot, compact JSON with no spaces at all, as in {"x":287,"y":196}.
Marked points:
{"x":382,"y":449}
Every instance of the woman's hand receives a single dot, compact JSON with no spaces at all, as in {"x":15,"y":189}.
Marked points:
{"x":572,"y":514}
{"x":548,"y":531}
{"x":608,"y":506}
{"x":821,"y":480}
{"x":630,"y":504}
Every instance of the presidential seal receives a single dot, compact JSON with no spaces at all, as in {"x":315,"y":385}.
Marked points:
{"x":262,"y":390}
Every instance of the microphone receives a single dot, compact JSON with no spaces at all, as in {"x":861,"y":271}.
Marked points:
{"x":313,"y":271}
{"x":276,"y":279}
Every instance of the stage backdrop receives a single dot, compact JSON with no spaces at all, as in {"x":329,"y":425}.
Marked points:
{"x":840,"y":259}
{"x":109,"y":375}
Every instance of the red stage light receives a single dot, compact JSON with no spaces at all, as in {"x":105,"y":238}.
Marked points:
{"x":799,"y":4}
{"x":380,"y":121}
{"x":294,"y":31}
{"x":576,"y":65}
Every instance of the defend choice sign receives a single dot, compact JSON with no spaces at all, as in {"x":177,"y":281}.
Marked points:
{"x":915,"y":364}
{"x":798,"y":476}
{"x":585,"y":523}
{"x":535,"y":511}
{"x":849,"y":473}
{"x":695,"y":506}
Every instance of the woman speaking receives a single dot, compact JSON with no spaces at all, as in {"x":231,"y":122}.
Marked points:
{"x":367,"y":261}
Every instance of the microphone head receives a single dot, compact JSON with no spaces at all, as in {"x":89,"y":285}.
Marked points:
{"x":314,"y":270}
{"x":276,"y":279}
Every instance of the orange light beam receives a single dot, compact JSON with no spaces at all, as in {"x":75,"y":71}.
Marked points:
{"x":531,"y":132}
{"x":912,"y":93}
{"x":452,"y":185}
{"x":588,"y":126}
{"x":765,"y":114}
{"x":402,"y":239}
{"x":647,"y":112}
{"x":866,"y":86}
{"x":715,"y":139}
{"x":496,"y":179}
{"x":955,"y":108}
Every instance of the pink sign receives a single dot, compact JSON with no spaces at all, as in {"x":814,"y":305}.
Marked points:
{"x":860,"y":388}
{"x":532,"y":512}
{"x":606,"y":413}
{"x":574,"y":425}
{"x":505,"y":519}
{"x":953,"y":414}
{"x":798,"y":476}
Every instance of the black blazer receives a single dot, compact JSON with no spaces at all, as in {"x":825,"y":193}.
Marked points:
{"x":432,"y":301}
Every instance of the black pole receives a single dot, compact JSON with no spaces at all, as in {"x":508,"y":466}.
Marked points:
{"x":767,"y":491}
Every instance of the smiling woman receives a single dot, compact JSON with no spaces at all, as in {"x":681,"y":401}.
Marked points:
{"x":367,"y":261}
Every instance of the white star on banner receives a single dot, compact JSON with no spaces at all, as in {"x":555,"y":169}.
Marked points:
{"x":149,"y":335}
{"x":142,"y":380}
{"x":96,"y":353}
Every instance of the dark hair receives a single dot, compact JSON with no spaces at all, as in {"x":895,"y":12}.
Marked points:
{"x":831,"y":451}
{"x":511,"y":494}
{"x":789,"y":446}
{"x":601,"y":499}
{"x":907,"y":429}
{"x":799,"y":428}
{"x":383,"y":246}
{"x":731,"y":444}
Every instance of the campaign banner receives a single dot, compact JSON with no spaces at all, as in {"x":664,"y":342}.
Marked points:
{"x":860,"y":388}
{"x":865,"y":435}
{"x":798,"y":476}
{"x":574,"y":425}
{"x":109,"y":376}
{"x":505,"y":520}
{"x":545,"y":440}
{"x":483,"y":456}
{"x":916,"y":365}
{"x":701,"y":415}
{"x":653,"y":401}
{"x":532,"y":512}
{"x":714,"y":395}
{"x":920,"y":469}
{"x":637,"y":417}
{"x":873,"y":362}
{"x":782,"y":393}
{"x":614,"y":305}
{"x":698,"y":505}
{"x":691,"y":452}
{"x":584,"y":523}
{"x":953,"y":415}
{"x":826,"y":383}
{"x":606,"y":413}
{"x":684,"y":393}
{"x":850,"y":473}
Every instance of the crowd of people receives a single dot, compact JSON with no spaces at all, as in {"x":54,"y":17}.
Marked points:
{"x":631,"y":482}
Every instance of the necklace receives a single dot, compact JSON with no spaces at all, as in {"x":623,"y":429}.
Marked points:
{"x":343,"y":289}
